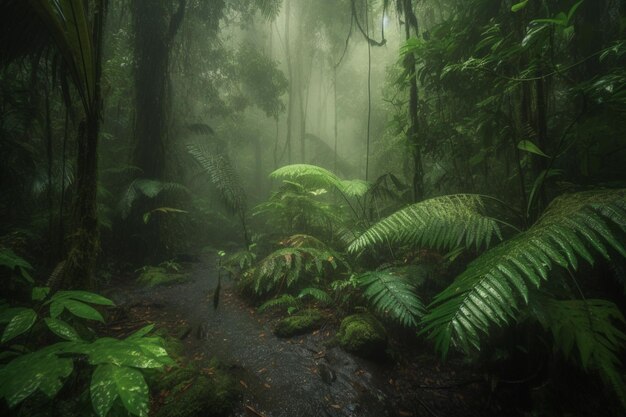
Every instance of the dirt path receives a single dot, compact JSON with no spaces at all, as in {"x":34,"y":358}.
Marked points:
{"x":297,"y":376}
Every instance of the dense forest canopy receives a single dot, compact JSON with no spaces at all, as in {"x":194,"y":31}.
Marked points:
{"x":434,"y":184}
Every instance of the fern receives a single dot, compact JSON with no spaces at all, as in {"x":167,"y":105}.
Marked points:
{"x":285,"y":268}
{"x":282,"y":302}
{"x":222,"y":174}
{"x":148,"y":188}
{"x":317,"y":294}
{"x":493,"y":286}
{"x":441,"y":222}
{"x":392,"y":295}
{"x":588,"y":326}
{"x":314,"y":176}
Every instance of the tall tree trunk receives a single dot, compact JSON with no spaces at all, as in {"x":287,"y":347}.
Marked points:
{"x":155,"y":26}
{"x":290,"y":105}
{"x":85,"y":240}
{"x":413,"y":131}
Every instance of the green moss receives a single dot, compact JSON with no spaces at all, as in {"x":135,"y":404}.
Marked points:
{"x":192,"y":394}
{"x":363,"y":335}
{"x":153,"y":276}
{"x":299,"y":323}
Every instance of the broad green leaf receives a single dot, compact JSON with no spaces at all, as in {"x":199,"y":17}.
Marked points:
{"x":82,"y":310}
{"x":142,"y":332}
{"x":19,"y":324}
{"x":42,"y":370}
{"x":39,"y":293}
{"x":528,"y":146}
{"x":62,"y":329}
{"x":84,"y":296}
{"x":103,"y":389}
{"x":132,"y":389}
{"x":519,"y":6}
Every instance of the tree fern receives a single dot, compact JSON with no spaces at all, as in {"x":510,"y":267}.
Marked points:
{"x":147,"y":188}
{"x":493,"y":286}
{"x":312,"y":175}
{"x":584,"y":329}
{"x":441,"y":222}
{"x":392,"y":295}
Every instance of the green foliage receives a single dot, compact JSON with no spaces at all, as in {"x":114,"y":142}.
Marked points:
{"x":282,"y":302}
{"x":45,"y":369}
{"x":295,"y":265}
{"x":315,"y":176}
{"x":585,"y":329}
{"x":392,"y":295}
{"x":494,"y":286}
{"x":441,"y":222}
{"x":289,"y":267}
{"x":147,"y":188}
{"x":297,"y":209}
{"x":10,"y":260}
{"x":222,"y":175}
{"x":154,"y":276}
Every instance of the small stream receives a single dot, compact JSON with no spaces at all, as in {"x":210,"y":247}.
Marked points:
{"x":279,"y":377}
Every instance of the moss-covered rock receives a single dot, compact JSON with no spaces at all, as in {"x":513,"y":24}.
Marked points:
{"x":194,"y":394}
{"x":154,"y":276}
{"x":362,"y":335}
{"x":300,"y":323}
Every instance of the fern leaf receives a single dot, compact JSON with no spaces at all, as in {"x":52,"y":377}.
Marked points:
{"x":222,"y":175}
{"x":392,"y":295}
{"x":441,"y":222}
{"x":588,"y":326}
{"x":282,"y":302}
{"x":495,"y":285}
{"x":317,"y":294}
{"x":315,"y":176}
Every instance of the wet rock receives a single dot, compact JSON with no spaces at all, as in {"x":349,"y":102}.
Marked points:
{"x":300,"y":323}
{"x":363,"y":335}
{"x":154,"y":276}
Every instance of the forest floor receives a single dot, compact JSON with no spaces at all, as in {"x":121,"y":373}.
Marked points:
{"x":300,"y":376}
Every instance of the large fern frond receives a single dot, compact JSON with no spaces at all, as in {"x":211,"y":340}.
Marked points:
{"x":585,"y":330}
{"x":494,"y":285}
{"x":392,"y":295}
{"x":315,"y":176}
{"x":222,"y":175}
{"x":441,"y":222}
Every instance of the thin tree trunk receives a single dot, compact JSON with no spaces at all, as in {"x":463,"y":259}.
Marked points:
{"x":413,"y":131}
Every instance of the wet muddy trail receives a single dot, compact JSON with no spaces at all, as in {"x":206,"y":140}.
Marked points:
{"x":299,"y":376}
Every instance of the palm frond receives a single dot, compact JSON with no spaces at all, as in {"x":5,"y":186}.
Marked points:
{"x":392,"y":295}
{"x":222,"y":175}
{"x":441,"y":222}
{"x":585,"y":330}
{"x":315,"y":176}
{"x":494,"y":285}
